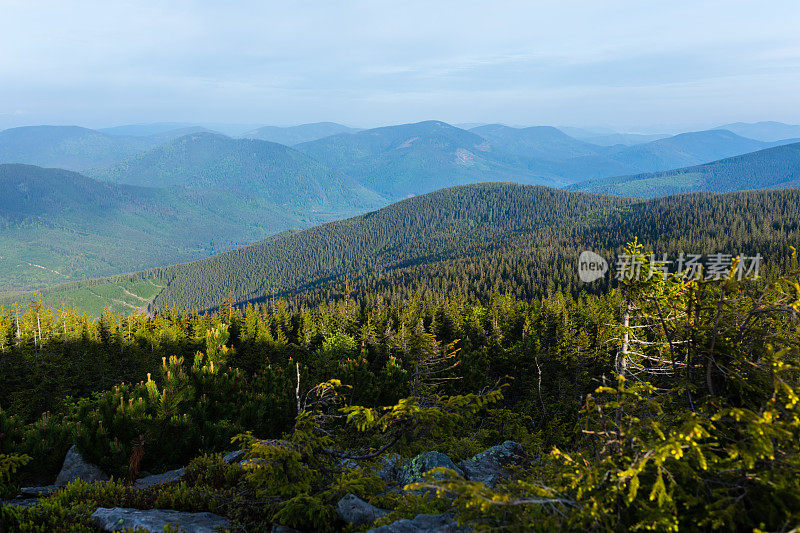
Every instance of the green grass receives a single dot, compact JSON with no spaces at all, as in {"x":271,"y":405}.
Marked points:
{"x":119,"y":295}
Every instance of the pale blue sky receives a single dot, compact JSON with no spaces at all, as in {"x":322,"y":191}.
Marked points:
{"x":632,"y":65}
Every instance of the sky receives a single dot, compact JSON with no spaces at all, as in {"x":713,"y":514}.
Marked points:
{"x":628,"y":65}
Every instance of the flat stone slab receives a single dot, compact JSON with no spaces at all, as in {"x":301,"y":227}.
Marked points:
{"x":121,"y":519}
{"x":173,"y":476}
{"x":35,"y":492}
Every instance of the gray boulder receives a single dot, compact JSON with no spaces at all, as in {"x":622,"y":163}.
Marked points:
{"x":354,"y":510}
{"x":422,"y":463}
{"x":488,"y":467}
{"x":388,"y":468}
{"x":430,"y":523}
{"x":173,"y":476}
{"x":123,"y":519}
{"x":76,"y":467}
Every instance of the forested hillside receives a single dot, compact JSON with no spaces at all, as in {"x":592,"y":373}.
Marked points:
{"x":522,"y":240}
{"x":542,"y":142}
{"x":473,"y":240}
{"x":662,"y":154}
{"x":252,"y":168}
{"x":455,"y":222}
{"x":770,"y":168}
{"x":409,"y":159}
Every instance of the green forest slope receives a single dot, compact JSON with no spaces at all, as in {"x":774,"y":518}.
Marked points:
{"x":770,"y":168}
{"x":474,"y":240}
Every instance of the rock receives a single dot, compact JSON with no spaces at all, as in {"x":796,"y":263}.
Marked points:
{"x":489,"y":466}
{"x":173,"y":476}
{"x":354,"y":510}
{"x":277,"y":528}
{"x":422,"y":463}
{"x":429,"y":523}
{"x":20,"y":502}
{"x":75,"y":467}
{"x":34,"y":492}
{"x":122,"y":519}
{"x":388,"y":469}
{"x":234,"y":457}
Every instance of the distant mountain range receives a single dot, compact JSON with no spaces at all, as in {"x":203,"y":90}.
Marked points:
{"x":298,"y":134}
{"x":394,"y":161}
{"x":764,"y":131}
{"x":765,"y":169}
{"x":411,"y":159}
{"x":541,"y":142}
{"x":69,"y":147}
{"x":611,"y":138}
{"x":549,"y":152}
{"x":190,"y":192}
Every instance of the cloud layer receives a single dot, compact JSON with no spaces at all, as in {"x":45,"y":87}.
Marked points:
{"x":628,"y":64}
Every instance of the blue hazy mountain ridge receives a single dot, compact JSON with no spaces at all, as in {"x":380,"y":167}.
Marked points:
{"x":776,"y":167}
{"x":686,"y":149}
{"x":764,"y":131}
{"x":146,"y":130}
{"x":411,"y":159}
{"x":397,"y":161}
{"x":545,"y":142}
{"x":625,"y":139}
{"x":608,"y":137}
{"x":663,"y":154}
{"x":249,"y":167}
{"x":235,"y":191}
{"x":69,"y":147}
{"x":298,"y":134}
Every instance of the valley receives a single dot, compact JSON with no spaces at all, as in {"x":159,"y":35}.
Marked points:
{"x":216,"y":193}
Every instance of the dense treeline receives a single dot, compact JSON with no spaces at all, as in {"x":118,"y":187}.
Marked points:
{"x":49,"y":357}
{"x":480,"y":239}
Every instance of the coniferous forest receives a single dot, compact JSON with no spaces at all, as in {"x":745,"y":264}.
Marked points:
{"x":664,"y":403}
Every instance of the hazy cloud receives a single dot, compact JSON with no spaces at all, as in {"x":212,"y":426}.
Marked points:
{"x":624,"y":63}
